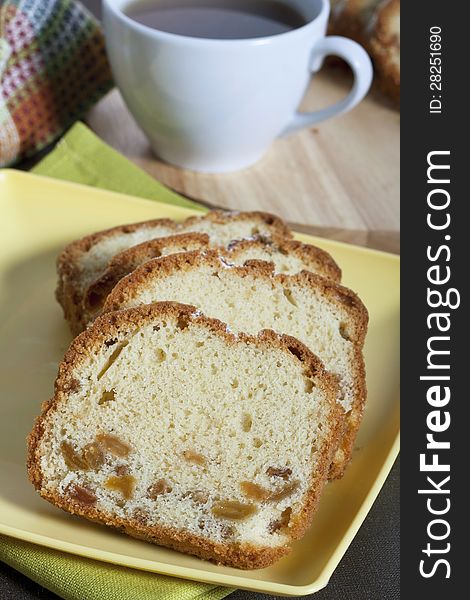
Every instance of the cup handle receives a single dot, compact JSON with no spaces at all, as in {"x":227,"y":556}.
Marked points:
{"x":360,"y":63}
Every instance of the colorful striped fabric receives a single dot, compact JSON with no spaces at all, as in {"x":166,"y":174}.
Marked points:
{"x":53,"y":68}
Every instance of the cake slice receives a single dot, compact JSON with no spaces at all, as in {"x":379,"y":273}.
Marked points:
{"x":84,"y":260}
{"x":168,"y":427}
{"x":328,"y":318}
{"x":287,"y":256}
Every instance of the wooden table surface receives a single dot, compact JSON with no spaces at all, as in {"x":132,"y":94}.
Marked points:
{"x":341,"y":175}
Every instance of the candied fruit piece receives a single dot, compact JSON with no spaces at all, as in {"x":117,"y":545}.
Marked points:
{"x":93,"y":455}
{"x":285,"y":516}
{"x":112,"y":359}
{"x":283,"y":472}
{"x":197,"y":496}
{"x":107,"y":396}
{"x":81,"y":494}
{"x":158,"y":488}
{"x":73,"y":460}
{"x":282,"y":522}
{"x":253,"y":491}
{"x":309,"y":385}
{"x":233,"y":510}
{"x":247,"y":422}
{"x":161,"y":355}
{"x":194,"y":457}
{"x":343,"y":331}
{"x":124,"y":484}
{"x":113,"y":444}
{"x":284,"y":492}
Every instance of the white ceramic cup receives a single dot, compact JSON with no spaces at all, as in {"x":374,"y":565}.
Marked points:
{"x":216,"y":105}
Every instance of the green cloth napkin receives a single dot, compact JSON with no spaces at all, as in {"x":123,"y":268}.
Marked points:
{"x":76,"y":578}
{"x":82,"y":157}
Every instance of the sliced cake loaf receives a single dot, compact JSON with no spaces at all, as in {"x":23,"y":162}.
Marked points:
{"x":128,"y":260}
{"x":287,"y":256}
{"x":84,"y":260}
{"x":328,"y":318}
{"x":167,"y":426}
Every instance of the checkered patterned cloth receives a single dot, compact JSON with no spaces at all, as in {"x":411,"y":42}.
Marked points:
{"x":53,"y":68}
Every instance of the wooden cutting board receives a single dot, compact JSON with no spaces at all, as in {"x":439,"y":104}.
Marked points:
{"x":342,"y":174}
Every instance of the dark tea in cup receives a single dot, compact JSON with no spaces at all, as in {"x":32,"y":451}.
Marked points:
{"x":216,"y":19}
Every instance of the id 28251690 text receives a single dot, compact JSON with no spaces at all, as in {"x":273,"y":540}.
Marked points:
{"x":435,"y":70}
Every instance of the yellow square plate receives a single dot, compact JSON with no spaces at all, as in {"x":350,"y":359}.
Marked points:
{"x":38,"y":216}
